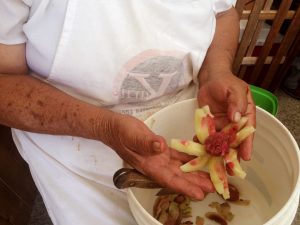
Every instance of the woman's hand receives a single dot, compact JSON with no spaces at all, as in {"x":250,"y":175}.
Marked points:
{"x":147,"y":152}
{"x":229,"y":98}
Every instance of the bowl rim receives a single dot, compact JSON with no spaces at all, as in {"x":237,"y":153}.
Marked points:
{"x":294,"y":194}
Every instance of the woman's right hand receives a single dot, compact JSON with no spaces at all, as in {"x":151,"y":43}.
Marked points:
{"x":147,"y":152}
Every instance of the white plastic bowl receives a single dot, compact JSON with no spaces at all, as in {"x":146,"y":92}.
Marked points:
{"x":272,"y":183}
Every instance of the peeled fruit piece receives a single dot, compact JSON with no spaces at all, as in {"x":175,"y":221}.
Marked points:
{"x":242,"y":135}
{"x":235,"y":127}
{"x":195,"y":164}
{"x":188,"y":147}
{"x":218,"y":176}
{"x":233,"y":164}
{"x":232,"y":128}
{"x":204,"y":123}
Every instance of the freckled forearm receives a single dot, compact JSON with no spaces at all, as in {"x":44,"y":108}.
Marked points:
{"x":32,"y":105}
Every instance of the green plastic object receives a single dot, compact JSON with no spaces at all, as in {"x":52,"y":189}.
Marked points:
{"x":264,"y":99}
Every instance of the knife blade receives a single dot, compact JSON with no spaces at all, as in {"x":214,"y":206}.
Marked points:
{"x":128,"y":177}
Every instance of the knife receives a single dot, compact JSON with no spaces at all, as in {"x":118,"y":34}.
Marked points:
{"x":128,"y":177}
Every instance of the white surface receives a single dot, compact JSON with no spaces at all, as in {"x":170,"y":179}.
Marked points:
{"x":272,"y":182}
{"x":40,"y":23}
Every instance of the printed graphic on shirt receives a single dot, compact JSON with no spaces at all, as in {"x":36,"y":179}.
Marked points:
{"x":152,"y":74}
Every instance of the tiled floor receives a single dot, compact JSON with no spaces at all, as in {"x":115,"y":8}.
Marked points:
{"x":288,"y":114}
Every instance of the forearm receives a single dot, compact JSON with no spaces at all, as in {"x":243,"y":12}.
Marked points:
{"x":32,"y":105}
{"x":221,"y":52}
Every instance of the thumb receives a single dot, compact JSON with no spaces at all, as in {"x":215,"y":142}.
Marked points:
{"x":157,"y":144}
{"x":237,"y":104}
{"x":150,"y":145}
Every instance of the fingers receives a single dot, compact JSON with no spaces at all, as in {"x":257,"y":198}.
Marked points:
{"x":237,"y":103}
{"x":245,"y":148}
{"x":221,"y":120}
{"x":157,"y":144}
{"x":201,"y":179}
{"x":240,"y":102}
{"x":251,"y":110}
{"x":194,"y":185}
{"x":169,"y":175}
{"x":179,"y":156}
{"x":148,"y":144}
{"x":186,"y":187}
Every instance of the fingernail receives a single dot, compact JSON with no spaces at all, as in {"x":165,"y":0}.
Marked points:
{"x":237,"y":117}
{"x":157,"y":146}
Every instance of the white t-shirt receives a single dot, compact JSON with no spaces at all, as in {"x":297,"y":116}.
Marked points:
{"x":39,"y":23}
{"x":132,"y":56}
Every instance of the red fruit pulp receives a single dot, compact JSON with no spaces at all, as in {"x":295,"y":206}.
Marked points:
{"x":217,"y":144}
{"x":229,"y":168}
{"x":184,"y":142}
{"x":232,"y":133}
{"x":194,"y":162}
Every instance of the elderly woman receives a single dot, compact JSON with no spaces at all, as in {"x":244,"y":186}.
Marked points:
{"x":78,"y":77}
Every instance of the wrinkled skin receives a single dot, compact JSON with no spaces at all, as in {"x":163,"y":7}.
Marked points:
{"x":227,"y":95}
{"x":134,"y":142}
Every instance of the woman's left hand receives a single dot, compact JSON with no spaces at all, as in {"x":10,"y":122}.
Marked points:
{"x":149,"y":153}
{"x":229,"y":98}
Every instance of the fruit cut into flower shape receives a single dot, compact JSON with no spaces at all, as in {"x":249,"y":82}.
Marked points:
{"x":218,"y":147}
